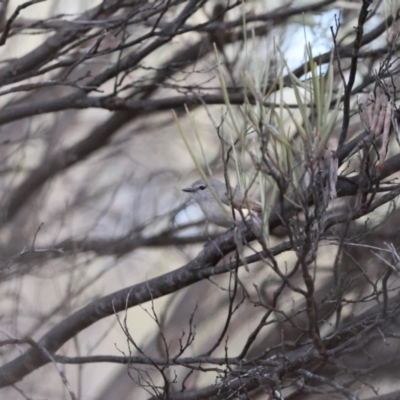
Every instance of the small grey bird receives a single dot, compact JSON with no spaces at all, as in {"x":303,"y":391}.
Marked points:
{"x":214,"y":211}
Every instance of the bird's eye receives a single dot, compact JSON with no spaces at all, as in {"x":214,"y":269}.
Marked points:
{"x":202,"y":187}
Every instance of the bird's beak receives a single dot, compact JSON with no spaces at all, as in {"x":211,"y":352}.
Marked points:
{"x":188,"y":190}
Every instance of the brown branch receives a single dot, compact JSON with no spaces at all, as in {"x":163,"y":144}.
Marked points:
{"x":353,"y":70}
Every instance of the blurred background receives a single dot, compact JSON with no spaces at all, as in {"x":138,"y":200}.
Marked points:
{"x":92,"y":163}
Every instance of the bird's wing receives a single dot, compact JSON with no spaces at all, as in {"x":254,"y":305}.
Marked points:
{"x":239,"y":201}
{"x":248,"y":204}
